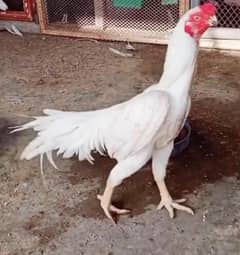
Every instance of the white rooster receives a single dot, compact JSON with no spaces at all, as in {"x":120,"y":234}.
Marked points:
{"x":3,"y":5}
{"x":134,"y":131}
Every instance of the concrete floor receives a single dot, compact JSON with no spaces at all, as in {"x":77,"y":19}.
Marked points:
{"x":48,"y":72}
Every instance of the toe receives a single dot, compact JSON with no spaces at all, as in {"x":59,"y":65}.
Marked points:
{"x":171,"y":205}
{"x":160,"y":206}
{"x":108,"y":214}
{"x":118,"y":211}
{"x":182,"y":200}
{"x":168,"y":206}
{"x":170,"y":210}
{"x":105,"y":208}
{"x":182,"y":208}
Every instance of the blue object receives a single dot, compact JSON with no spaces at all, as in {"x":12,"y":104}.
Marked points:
{"x":182,"y":144}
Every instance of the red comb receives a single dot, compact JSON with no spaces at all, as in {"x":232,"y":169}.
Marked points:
{"x":209,"y":8}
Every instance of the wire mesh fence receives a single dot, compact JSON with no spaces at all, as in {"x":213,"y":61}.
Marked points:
{"x":115,"y":19}
{"x":127,"y":20}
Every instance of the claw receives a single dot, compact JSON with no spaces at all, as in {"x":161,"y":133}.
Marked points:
{"x":182,"y":200}
{"x":170,"y":205}
{"x":107,"y":208}
{"x":114,"y":209}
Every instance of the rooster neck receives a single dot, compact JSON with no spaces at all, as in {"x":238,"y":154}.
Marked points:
{"x":180,"y":62}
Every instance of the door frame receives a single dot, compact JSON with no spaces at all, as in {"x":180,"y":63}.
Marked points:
{"x":27,"y":14}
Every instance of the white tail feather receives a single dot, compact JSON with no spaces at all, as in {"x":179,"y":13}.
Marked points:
{"x":50,"y":159}
{"x":70,"y":133}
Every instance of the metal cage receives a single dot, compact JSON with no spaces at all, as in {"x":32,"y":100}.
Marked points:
{"x":126,"y":20}
{"x":149,"y":21}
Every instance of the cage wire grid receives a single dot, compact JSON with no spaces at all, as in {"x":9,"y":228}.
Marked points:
{"x":122,"y":20}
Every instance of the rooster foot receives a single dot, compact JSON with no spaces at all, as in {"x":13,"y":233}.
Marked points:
{"x":170,"y":205}
{"x":108,"y":208}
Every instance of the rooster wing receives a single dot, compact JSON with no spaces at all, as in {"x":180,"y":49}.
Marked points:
{"x":137,"y":124}
{"x":121,"y":130}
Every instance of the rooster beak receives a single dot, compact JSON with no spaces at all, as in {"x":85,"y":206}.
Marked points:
{"x":213,"y":21}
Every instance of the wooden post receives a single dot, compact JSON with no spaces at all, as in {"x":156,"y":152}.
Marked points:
{"x":99,"y":12}
{"x":184,"y":5}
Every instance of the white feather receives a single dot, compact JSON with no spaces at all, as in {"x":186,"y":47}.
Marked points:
{"x":3,"y":5}
{"x":50,"y":159}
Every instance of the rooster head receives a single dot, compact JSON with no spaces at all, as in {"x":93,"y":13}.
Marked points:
{"x":200,"y":19}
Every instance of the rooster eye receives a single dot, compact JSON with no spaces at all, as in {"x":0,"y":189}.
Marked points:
{"x":197,"y":18}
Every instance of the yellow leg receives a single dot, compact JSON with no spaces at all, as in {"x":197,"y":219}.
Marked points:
{"x":105,"y":202}
{"x":159,"y":164}
{"x":168,"y":202}
{"x":121,"y":170}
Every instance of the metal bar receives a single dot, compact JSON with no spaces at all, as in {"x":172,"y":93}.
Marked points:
{"x":111,"y":35}
{"x":195,"y":3}
{"x":223,"y":33}
{"x":184,"y":5}
{"x":220,"y":44}
{"x":14,"y":15}
{"x":42,"y":17}
{"x":99,"y":12}
{"x":25,"y":15}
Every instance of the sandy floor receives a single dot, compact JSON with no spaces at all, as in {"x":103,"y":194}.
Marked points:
{"x":46,"y":72}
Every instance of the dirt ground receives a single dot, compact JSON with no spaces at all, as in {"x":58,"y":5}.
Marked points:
{"x":39,"y":72}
